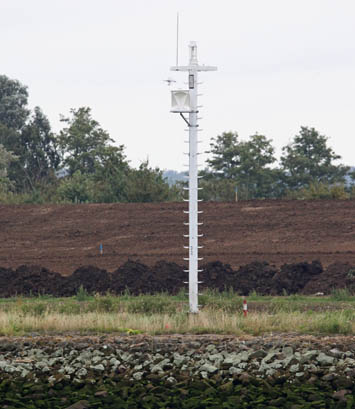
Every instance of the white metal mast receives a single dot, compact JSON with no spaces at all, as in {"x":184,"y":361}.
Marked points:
{"x":191,"y":107}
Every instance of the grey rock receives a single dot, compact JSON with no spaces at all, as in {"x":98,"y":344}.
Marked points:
{"x":324,"y":359}
{"x":287,"y":351}
{"x":308,"y":356}
{"x":84,"y":356}
{"x":58,"y":352}
{"x":208,"y":368}
{"x":336,"y":353}
{"x":269,"y":357}
{"x":260,"y":353}
{"x":11,"y":369}
{"x":138,"y":376}
{"x":41,"y":364}
{"x":24,"y":372}
{"x":157,"y":369}
{"x":178,"y":359}
{"x":231,"y":360}
{"x":171,"y":380}
{"x":294,"y":368}
{"x":98,"y":367}
{"x":216,"y":358}
{"x":69,"y":369}
{"x":235,"y":371}
{"x":114,"y":362}
{"x":81,"y":372}
{"x":329,"y":377}
{"x":204,"y":374}
{"x":82,"y":404}
{"x":96,"y":359}
{"x":290,"y":360}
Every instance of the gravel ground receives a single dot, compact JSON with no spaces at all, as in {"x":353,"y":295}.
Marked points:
{"x":85,"y":359}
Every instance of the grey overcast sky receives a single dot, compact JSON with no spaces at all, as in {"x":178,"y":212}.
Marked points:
{"x":281,"y":64}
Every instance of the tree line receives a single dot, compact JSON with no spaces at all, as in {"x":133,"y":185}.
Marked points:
{"x":81,"y":163}
{"x":308,"y":168}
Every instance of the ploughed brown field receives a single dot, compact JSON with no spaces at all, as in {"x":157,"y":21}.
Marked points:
{"x":65,"y":237}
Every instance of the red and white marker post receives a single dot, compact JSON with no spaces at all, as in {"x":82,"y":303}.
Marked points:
{"x":245,"y":307}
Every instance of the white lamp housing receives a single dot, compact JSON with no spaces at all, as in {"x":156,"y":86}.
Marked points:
{"x":180,"y":101}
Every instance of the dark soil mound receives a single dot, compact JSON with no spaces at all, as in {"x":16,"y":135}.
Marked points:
{"x":138,"y":278}
{"x":169,"y":277}
{"x":336,"y":276}
{"x":134,"y":277}
{"x":255,"y":276}
{"x":7,"y":275}
{"x":93,"y":279}
{"x":216,"y":275}
{"x":34,"y":280}
{"x":293,"y":277}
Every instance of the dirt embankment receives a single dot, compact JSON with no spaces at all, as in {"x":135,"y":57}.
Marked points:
{"x":65,"y":237}
{"x":138,"y":278}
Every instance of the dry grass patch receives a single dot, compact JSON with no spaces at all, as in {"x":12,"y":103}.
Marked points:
{"x":17,"y":323}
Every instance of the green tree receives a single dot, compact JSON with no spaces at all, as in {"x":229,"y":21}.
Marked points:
{"x":29,"y":138}
{"x":36,"y":147}
{"x":308,"y":160}
{"x":5,"y":159}
{"x":246,"y":163}
{"x":147,"y":184}
{"x":84,"y":145}
{"x":111,"y":176}
{"x":77,"y":188}
{"x":13,"y":103}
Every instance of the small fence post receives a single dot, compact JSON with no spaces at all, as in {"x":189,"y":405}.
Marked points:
{"x":245,"y":307}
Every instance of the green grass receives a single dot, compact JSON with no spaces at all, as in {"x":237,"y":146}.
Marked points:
{"x":158,"y":314}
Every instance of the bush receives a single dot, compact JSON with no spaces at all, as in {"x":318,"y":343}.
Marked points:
{"x":77,"y":188}
{"x":319,"y":191}
{"x":82,"y":294}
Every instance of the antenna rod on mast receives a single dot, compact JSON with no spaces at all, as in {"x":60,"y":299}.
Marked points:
{"x":177,"y":39}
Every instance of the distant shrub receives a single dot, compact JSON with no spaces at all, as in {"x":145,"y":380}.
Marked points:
{"x":341,"y":294}
{"x":320,"y":191}
{"x":82,"y":294}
